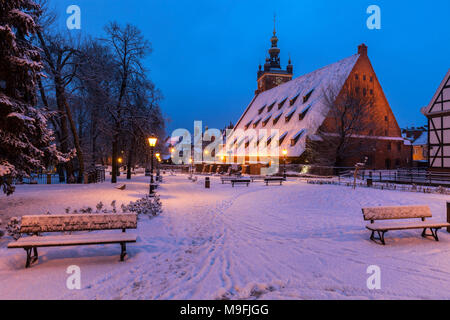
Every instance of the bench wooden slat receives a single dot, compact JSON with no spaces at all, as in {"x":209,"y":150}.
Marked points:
{"x":405,"y":226}
{"x":401,"y":212}
{"x":72,"y":240}
{"x":77,"y":222}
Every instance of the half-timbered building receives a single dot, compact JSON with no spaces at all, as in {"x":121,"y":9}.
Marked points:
{"x":438,"y":114}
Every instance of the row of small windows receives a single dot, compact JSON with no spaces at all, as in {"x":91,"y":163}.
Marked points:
{"x":277,"y":117}
{"x":357,"y":90}
{"x":399,"y":146}
{"x":291,"y":102}
{"x":364,"y":77}
{"x":295,"y":138}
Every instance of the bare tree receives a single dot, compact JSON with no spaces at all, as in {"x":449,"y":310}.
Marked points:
{"x":348,"y":122}
{"x":129,"y":48}
{"x":58,"y":55}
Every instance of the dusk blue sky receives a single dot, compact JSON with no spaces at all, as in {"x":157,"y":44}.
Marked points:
{"x":206,"y":53}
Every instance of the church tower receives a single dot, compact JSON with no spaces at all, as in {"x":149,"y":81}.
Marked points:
{"x":272,"y":75}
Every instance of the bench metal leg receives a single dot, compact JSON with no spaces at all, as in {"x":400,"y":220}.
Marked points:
{"x":433,"y":234}
{"x":123,"y":252}
{"x":31,"y":258}
{"x":380,"y":237}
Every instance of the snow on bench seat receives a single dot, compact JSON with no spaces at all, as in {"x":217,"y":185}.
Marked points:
{"x":72,"y":240}
{"x":403,"y":212}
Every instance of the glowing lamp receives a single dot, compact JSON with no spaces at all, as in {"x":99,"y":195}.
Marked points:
{"x":152,"y":141}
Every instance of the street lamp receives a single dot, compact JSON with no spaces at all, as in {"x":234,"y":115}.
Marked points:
{"x":152,"y":142}
{"x":284,"y":163}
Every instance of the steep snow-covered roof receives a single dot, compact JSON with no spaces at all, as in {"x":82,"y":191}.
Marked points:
{"x":422,"y":140}
{"x":299,"y":97}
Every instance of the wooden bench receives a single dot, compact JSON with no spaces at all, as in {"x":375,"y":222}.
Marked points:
{"x":227,"y":179}
{"x":273,"y":179}
{"x":240,"y":181}
{"x":38,"y":224}
{"x":399,"y":213}
{"x":257,"y":178}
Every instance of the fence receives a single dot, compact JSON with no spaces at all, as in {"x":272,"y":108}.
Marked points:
{"x":405,"y":176}
{"x":94,"y":176}
{"x":382,"y":186}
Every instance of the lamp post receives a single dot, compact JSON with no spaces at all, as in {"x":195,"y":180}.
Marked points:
{"x":158,"y":155}
{"x":284,"y":163}
{"x":152,"y":142}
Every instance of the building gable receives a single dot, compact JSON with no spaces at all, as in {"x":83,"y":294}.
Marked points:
{"x":438,"y":114}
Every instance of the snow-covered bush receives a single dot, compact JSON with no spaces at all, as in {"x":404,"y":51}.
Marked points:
{"x":441,"y":190}
{"x":99,"y":207}
{"x":13,"y":228}
{"x":150,"y":206}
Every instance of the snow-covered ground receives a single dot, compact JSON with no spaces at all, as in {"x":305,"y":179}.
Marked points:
{"x":297,"y":241}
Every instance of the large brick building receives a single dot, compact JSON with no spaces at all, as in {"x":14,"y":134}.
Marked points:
{"x":296,"y":108}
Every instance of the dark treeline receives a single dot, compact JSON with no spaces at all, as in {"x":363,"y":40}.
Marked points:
{"x":105,"y":104}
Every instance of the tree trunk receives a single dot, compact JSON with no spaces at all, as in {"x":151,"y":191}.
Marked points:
{"x":64,"y":132}
{"x":76,"y":139}
{"x":130,"y":159}
{"x":115,"y":143}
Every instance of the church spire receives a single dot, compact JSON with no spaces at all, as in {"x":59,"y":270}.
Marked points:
{"x":272,"y":75}
{"x":274,"y":24}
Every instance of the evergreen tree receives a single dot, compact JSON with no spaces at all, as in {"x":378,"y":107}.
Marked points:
{"x":25,"y":140}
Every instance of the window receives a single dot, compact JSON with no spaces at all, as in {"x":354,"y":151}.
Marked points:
{"x":303,"y":113}
{"x":308,"y":95}
{"x":356,"y":76}
{"x":261,"y":110}
{"x":399,"y":146}
{"x":297,"y":137}
{"x":270,"y":107}
{"x":290,"y":114}
{"x":282,"y":137}
{"x":280,"y":105}
{"x":371,"y":92}
{"x":357,"y":90}
{"x":386,"y":133}
{"x":292,"y":101}
{"x":364,"y":77}
{"x":389,"y":146}
{"x":247,"y":143}
{"x":364,"y":92}
{"x":277,"y":117}
{"x":266,"y":119}
{"x":248,"y":124}
{"x":386,"y":118}
{"x":388,"y":163}
{"x":255,"y":124}
{"x":371,"y":78}
{"x":269,"y":140}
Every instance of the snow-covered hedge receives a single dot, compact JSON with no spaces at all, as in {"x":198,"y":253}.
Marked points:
{"x":13,"y":228}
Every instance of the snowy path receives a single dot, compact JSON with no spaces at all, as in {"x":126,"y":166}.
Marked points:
{"x":297,"y":241}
